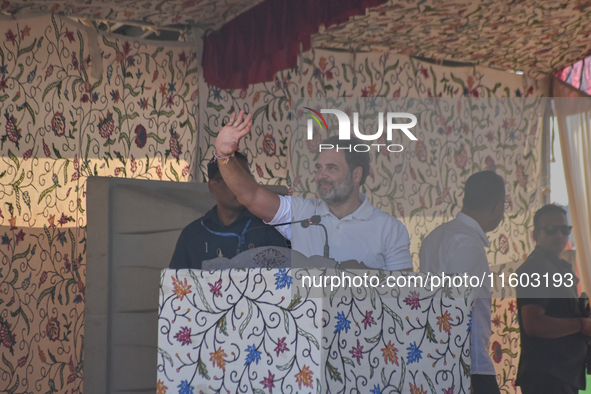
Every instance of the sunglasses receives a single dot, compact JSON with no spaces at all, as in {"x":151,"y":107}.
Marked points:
{"x":552,"y":230}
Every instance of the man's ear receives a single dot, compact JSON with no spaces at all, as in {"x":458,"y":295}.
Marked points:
{"x":213,"y":186}
{"x":357,"y":174}
{"x":536,"y":233}
{"x":498,"y":208}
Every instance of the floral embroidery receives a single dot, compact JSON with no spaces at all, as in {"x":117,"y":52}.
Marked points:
{"x":304,"y":377}
{"x":184,"y":336}
{"x":283,"y":280}
{"x":181,"y":289}
{"x":414,"y":353}
{"x":342,"y":323}
{"x":216,"y":288}
{"x":217,"y":358}
{"x":253,"y":355}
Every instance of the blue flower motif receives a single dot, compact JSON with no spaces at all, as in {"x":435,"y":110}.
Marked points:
{"x":62,"y":237}
{"x":511,"y":135}
{"x":115,"y":95}
{"x":469,"y":322}
{"x":414,"y":354}
{"x":184,"y":388}
{"x":376,"y":390}
{"x":283,"y":280}
{"x":253,"y":355}
{"x":172,"y":87}
{"x":342,"y":323}
{"x":217,"y":93}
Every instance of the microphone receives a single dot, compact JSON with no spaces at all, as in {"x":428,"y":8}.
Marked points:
{"x":305,"y":223}
{"x":313,"y":220}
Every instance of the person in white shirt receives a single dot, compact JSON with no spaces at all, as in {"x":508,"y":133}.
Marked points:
{"x":457,"y":247}
{"x":356,"y":230}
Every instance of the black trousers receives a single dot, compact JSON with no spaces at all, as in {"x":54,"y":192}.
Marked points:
{"x":546,"y":384}
{"x":485,"y":384}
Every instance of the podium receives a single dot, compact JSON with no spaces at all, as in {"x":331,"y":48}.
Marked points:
{"x":258,"y":330}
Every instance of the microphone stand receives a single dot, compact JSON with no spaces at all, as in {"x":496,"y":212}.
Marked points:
{"x":243,"y":236}
{"x":314,"y":220}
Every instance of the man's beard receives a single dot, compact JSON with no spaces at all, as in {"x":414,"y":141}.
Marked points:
{"x":339,"y":193}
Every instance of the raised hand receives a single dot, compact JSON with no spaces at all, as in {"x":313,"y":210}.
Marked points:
{"x":227,"y":140}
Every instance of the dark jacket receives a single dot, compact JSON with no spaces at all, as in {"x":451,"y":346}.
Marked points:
{"x":564,"y":357}
{"x":207,"y":238}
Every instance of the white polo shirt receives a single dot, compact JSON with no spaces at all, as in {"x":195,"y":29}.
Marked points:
{"x":368,"y":235}
{"x":457,"y":247}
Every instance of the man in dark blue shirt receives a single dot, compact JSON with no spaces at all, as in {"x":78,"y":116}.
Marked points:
{"x":223,"y":231}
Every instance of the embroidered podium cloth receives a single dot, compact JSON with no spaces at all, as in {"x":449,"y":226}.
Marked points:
{"x":259,"y":330}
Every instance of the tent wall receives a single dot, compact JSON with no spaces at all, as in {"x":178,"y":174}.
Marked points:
{"x":136,"y":113}
{"x":74,"y":105}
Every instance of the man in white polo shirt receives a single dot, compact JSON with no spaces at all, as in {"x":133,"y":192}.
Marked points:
{"x":356,"y":229}
{"x":457,"y":247}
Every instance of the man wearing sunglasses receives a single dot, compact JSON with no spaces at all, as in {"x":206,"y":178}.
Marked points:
{"x":553,"y":325}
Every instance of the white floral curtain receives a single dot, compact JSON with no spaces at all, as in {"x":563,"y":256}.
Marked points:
{"x":573,"y":111}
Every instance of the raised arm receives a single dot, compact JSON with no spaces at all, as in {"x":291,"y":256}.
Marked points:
{"x":258,"y":200}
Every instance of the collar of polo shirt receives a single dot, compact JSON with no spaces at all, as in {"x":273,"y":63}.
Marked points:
{"x":364,"y":211}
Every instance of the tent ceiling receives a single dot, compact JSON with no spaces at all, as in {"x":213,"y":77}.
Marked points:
{"x":204,"y":14}
{"x":534,"y":36}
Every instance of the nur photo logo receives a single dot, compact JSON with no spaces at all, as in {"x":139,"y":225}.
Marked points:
{"x":392,"y":119}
